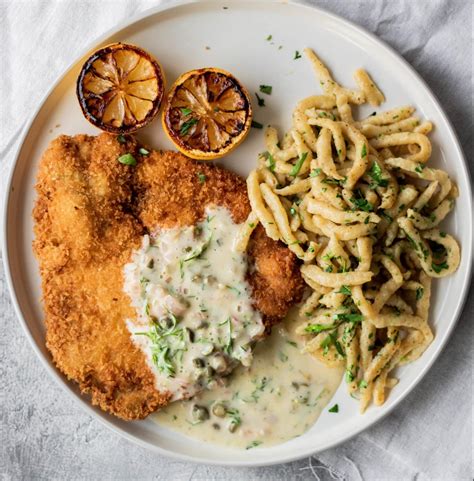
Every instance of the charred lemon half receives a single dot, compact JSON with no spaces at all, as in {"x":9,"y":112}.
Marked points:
{"x":120,"y":88}
{"x":207,"y":113}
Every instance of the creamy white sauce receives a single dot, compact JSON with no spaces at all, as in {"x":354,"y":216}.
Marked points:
{"x":195,"y":320}
{"x":278,"y":398}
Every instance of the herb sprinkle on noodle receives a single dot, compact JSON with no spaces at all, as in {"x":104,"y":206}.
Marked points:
{"x":356,"y":201}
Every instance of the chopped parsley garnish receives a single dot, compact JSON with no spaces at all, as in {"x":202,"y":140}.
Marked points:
{"x":230,"y":342}
{"x":256,"y":125}
{"x":297,"y":55}
{"x":186,"y":111}
{"x":121,"y":138}
{"x":160,"y":350}
{"x":202,"y":177}
{"x":199,"y":251}
{"x":253,"y":444}
{"x":348,"y":317}
{"x":439,"y":267}
{"x":143,"y":151}
{"x":349,"y":375}
{"x":419,"y":293}
{"x":271,"y":162}
{"x":331,"y":340}
{"x":315,"y":172}
{"x":297,"y":167}
{"x":375,"y":173}
{"x":187,"y":125}
{"x":269,"y":38}
{"x":317,"y":328}
{"x":292,"y":211}
{"x":363,"y":152}
{"x":419,"y":168}
{"x":345,"y":290}
{"x":127,"y":159}
{"x":331,"y":181}
{"x":334,"y":409}
{"x":261,"y":102}
{"x":362,"y":384}
{"x":362,"y":204}
{"x":232,"y":288}
{"x":266,"y":89}
{"x":442,"y":234}
{"x":234,"y":415}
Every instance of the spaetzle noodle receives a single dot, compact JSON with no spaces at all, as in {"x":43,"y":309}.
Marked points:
{"x":357,"y":203}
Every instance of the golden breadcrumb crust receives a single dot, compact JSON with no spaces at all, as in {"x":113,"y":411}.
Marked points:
{"x":91,"y":212}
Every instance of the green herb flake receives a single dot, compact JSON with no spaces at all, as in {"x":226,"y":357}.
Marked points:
{"x":334,"y":409}
{"x":375,"y":173}
{"x":297,"y":55}
{"x":186,"y":111}
{"x":363,"y":152}
{"x":143,"y":151}
{"x":253,"y":444}
{"x":348,"y":317}
{"x":127,"y":159}
{"x":362,"y":384}
{"x":202,"y":177}
{"x":186,"y":126}
{"x":419,"y":293}
{"x":439,"y":267}
{"x":266,"y":89}
{"x":317,"y":328}
{"x":269,"y":38}
{"x":442,"y":234}
{"x":261,"y":102}
{"x":419,"y":168}
{"x":121,"y":139}
{"x":297,"y":167}
{"x":349,"y":376}
{"x":271,"y":162}
{"x":315,"y":172}
{"x":346,"y":290}
{"x":362,"y":204}
{"x":256,"y":125}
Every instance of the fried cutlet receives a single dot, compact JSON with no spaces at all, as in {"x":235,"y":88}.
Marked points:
{"x":91,"y":212}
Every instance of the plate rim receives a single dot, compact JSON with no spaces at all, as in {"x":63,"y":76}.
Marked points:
{"x":85,"y":404}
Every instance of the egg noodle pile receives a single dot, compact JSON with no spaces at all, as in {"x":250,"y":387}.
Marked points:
{"x":357,"y":203}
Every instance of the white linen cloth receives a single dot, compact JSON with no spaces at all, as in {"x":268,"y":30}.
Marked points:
{"x":44,"y":435}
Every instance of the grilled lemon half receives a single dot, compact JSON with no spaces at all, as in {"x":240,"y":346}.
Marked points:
{"x":120,"y":88}
{"x":207,"y":113}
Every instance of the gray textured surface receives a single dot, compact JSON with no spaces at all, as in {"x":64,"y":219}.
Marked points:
{"x":44,"y":435}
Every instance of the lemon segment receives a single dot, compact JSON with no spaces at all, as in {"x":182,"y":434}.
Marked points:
{"x":207,"y":113}
{"x":120,"y":88}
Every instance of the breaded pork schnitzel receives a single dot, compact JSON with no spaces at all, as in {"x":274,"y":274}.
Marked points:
{"x":91,"y":212}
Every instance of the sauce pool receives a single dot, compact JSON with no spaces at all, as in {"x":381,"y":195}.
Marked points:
{"x":279,"y":397}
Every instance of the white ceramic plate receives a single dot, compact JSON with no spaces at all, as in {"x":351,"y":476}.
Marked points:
{"x":232,"y":35}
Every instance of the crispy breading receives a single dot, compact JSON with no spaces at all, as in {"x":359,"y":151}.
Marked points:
{"x":91,"y":212}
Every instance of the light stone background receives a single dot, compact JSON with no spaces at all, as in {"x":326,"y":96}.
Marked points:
{"x":45,"y":435}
